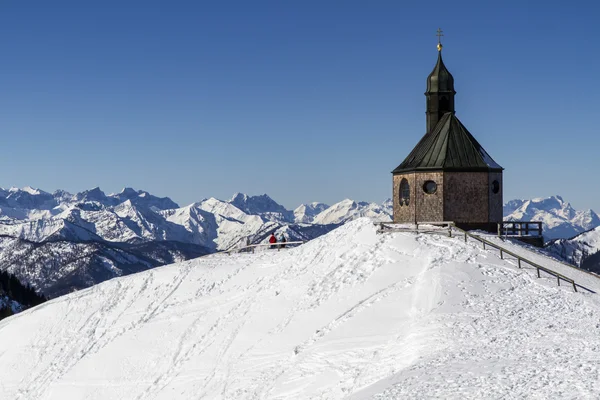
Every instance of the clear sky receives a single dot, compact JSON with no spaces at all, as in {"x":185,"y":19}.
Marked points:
{"x":302,"y":100}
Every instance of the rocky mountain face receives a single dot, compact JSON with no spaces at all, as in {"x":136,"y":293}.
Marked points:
{"x":62,"y":242}
{"x":560,"y":219}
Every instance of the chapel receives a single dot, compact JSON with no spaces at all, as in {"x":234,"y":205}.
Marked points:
{"x":448,"y":176}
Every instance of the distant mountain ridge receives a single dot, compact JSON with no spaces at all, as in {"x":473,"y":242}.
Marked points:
{"x":560,"y":219}
{"x":61,"y":242}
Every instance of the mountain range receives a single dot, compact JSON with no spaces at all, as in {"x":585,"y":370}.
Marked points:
{"x":560,"y":219}
{"x":59,"y":242}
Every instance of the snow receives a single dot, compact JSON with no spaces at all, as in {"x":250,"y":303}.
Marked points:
{"x":560,"y":219}
{"x":305,"y":213}
{"x":347,"y":210}
{"x":541,"y":257}
{"x":352,"y":314}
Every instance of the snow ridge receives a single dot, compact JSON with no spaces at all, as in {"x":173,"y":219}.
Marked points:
{"x":351,"y":314}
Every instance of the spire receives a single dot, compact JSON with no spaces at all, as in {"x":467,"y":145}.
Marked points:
{"x":440,"y":90}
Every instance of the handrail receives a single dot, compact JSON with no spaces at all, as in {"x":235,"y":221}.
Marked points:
{"x":516,"y":228}
{"x":566,"y":264}
{"x":521,"y":259}
{"x":442,"y":224}
{"x":451,"y":225}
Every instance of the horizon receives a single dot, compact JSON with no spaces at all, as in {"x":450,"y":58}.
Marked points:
{"x":303,"y":102}
{"x":286,"y":206}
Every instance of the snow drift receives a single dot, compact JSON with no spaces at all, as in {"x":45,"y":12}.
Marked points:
{"x":350,"y":314}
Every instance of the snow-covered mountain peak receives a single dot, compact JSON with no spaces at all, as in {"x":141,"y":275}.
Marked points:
{"x":306,"y":213}
{"x":129,"y":192}
{"x":31,"y":190}
{"x":95,"y":194}
{"x":261,"y":205}
{"x":348,"y":209}
{"x":560,"y":219}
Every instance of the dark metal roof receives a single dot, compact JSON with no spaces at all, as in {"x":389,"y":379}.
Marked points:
{"x":448,"y":147}
{"x":440,"y":79}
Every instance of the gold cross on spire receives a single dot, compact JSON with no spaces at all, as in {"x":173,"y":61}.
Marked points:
{"x":439,"y":35}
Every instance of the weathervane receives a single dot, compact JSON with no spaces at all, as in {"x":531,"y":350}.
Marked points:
{"x":439,"y":35}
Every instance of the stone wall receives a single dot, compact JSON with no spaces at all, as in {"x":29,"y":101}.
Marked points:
{"x":466,"y":197}
{"x":462,"y":197}
{"x":403,"y":213}
{"x":428,"y":207}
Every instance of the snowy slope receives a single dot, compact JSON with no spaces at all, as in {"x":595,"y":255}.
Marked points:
{"x":350,"y":314}
{"x":560,"y":219}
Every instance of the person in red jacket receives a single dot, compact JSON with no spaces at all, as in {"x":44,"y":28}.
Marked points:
{"x":272,"y":240}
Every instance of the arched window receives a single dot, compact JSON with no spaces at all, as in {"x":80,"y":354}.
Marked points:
{"x":404,"y":192}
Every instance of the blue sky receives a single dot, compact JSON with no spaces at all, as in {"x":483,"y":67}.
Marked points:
{"x":303,"y":100}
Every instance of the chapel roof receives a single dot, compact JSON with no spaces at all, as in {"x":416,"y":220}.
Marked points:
{"x":448,"y":147}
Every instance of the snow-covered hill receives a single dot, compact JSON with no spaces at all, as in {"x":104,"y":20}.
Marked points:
{"x":559,"y":218}
{"x":352,"y":314}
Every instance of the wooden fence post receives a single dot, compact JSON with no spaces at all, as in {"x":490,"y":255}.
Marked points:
{"x":465,"y":237}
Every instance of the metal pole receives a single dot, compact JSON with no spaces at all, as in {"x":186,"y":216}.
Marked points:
{"x":465,"y":237}
{"x":501,"y":254}
{"x":538,"y":272}
{"x":558,"y":279}
{"x":519,"y":262}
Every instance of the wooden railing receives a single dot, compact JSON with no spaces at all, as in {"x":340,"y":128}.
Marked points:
{"x":451,"y":226}
{"x":252,"y":247}
{"x":521,"y":260}
{"x":414,"y":227}
{"x":520,"y":228}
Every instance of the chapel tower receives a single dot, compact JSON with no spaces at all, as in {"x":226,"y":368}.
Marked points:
{"x":448,"y":176}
